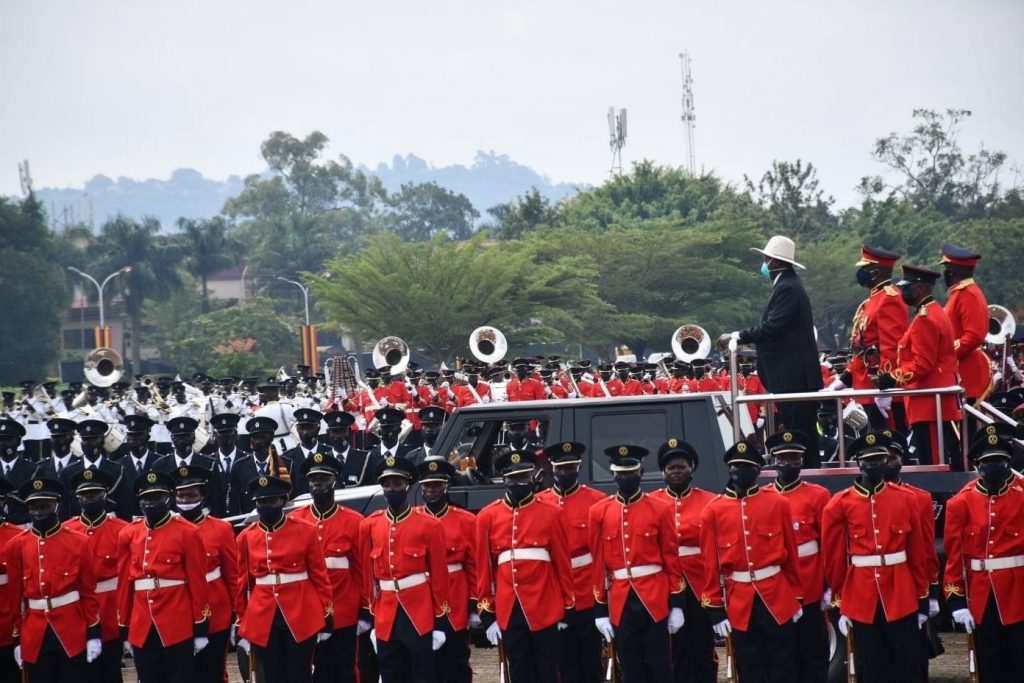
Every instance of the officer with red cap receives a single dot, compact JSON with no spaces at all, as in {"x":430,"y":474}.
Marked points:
{"x":968,"y":311}
{"x":693,"y":646}
{"x":747,"y":540}
{"x":580,"y":654}
{"x":926,"y":359}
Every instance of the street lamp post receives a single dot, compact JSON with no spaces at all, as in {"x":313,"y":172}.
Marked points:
{"x":305,"y":294}
{"x":99,"y":286}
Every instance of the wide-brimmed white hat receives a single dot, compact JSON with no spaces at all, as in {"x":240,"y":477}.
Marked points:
{"x":781,"y":248}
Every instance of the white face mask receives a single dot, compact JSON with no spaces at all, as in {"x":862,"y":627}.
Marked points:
{"x":187,"y":507}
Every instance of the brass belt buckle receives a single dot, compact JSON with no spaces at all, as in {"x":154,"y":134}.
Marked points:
{"x":753,"y":575}
{"x":882,"y":557}
{"x":156,"y":582}
{"x":397,"y":587}
{"x":49,"y":605}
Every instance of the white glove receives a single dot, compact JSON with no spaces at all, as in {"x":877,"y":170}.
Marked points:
{"x":384,"y":403}
{"x":845,"y":624}
{"x":826,"y":599}
{"x":922,"y":619}
{"x":474,"y":620}
{"x":233,"y":634}
{"x":722,"y":628}
{"x":445,"y":385}
{"x":547,"y":391}
{"x":243,"y":645}
{"x":799,"y":613}
{"x":17,"y":657}
{"x":362,"y":627}
{"x":93,"y":648}
{"x":322,"y":636}
{"x":562,"y":626}
{"x":198,"y":644}
{"x":675,"y":620}
{"x":493,"y":634}
{"x":835,"y":385}
{"x":964,"y":618}
{"x":373,"y":639}
{"x":437,"y":639}
{"x":933,"y":608}
{"x":485,"y":399}
{"x":884,"y":404}
{"x":759,"y":424}
{"x":604,"y":626}
{"x":572,"y":394}
{"x":127,"y":648}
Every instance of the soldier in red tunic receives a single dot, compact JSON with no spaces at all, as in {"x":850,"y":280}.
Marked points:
{"x":806,"y":505}
{"x":747,"y":540}
{"x":524,"y":576}
{"x":451,"y":662}
{"x":926,"y":359}
{"x":161,"y":585}
{"x":637,"y":583}
{"x":8,"y":602}
{"x":337,"y":530}
{"x":91,"y":488}
{"x":984,"y":576}
{"x":405,"y":579}
{"x":284,"y":596}
{"x":968,"y":311}
{"x":52,"y":584}
{"x":580,"y":654}
{"x":522,"y":387}
{"x":693,"y":646}
{"x":220,"y":562}
{"x":875,"y":563}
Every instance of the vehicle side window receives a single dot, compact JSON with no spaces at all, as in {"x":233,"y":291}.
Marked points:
{"x":481,"y":441}
{"x":646,"y":429}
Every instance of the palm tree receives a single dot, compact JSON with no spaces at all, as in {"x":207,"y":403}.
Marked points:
{"x":209,"y":248}
{"x":153,"y":259}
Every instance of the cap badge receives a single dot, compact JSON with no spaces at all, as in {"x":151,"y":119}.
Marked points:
{"x":318,"y":457}
{"x":432,"y":467}
{"x":151,"y":478}
{"x":993,"y":439}
{"x":390,"y":462}
{"x":870,"y":439}
{"x":263,"y":482}
{"x":623,"y":450}
{"x":887,"y":434}
{"x":87,"y":474}
{"x":991,"y":429}
{"x":741,"y":447}
{"x":88,"y":429}
{"x":787,"y":436}
{"x":567,"y":447}
{"x":515,"y":459}
{"x":37,"y":485}
{"x":672,"y":443}
{"x":183,"y":471}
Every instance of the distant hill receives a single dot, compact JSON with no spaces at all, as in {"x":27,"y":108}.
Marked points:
{"x":492,"y":179}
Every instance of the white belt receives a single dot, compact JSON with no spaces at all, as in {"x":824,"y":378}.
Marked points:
{"x":993,"y":563}
{"x":279,"y":579}
{"x":636,"y":572}
{"x":807,"y":549}
{"x":582,"y":560}
{"x":454,"y":567}
{"x":401,"y":584}
{"x":53,"y":603}
{"x":687,"y":550}
{"x":3,"y":579}
{"x":213,"y":576}
{"x":756,"y":574}
{"x":337,"y":562}
{"x":151,"y":584}
{"x":524,"y":554}
{"x":107,"y":585}
{"x":878,"y":560}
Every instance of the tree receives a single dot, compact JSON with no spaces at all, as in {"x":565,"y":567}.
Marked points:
{"x":209,"y":248}
{"x":420,"y":211}
{"x":165,"y":319}
{"x":513,"y":219}
{"x":34,"y":293}
{"x":153,"y":260}
{"x":798,"y":208}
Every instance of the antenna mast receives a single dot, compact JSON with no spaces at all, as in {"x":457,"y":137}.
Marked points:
{"x":617,"y":138}
{"x":25,"y":177}
{"x":689,"y":117}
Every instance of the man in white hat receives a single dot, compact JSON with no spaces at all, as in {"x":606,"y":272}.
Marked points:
{"x":787,"y":353}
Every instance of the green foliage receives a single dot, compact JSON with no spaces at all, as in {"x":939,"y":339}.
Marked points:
{"x":236,"y":358}
{"x":513,"y":219}
{"x":796,"y":205}
{"x":208,"y":249}
{"x":276,"y":338}
{"x":419,"y":212}
{"x":166,"y":319}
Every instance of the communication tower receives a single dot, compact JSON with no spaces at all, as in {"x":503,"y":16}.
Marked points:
{"x":689,"y":116}
{"x":617,"y":138}
{"x":25,"y":177}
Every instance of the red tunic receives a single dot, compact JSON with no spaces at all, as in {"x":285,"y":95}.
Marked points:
{"x":409,"y":548}
{"x":460,"y":555}
{"x":686,"y":509}
{"x":982,"y":526}
{"x":464,"y":395}
{"x":753,"y":533}
{"x":170,"y":550}
{"x":807,"y":503}
{"x":575,"y":506}
{"x":102,"y":550}
{"x":634,"y":536}
{"x":8,"y":600}
{"x":615,"y":387}
{"x":926,"y":513}
{"x":968,"y":312}
{"x":542,"y":586}
{"x":52,"y":566}
{"x":925,"y":360}
{"x":880,"y":321}
{"x":338,"y":534}
{"x":862,"y":522}
{"x":221,"y":566}
{"x":289,"y":548}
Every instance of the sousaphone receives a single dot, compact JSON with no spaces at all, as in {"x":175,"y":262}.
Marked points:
{"x":1001,"y":325}
{"x":103,"y":367}
{"x":690,"y":343}
{"x":488,"y":344}
{"x":393,"y":352}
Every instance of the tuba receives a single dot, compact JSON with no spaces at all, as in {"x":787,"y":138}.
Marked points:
{"x":488,"y":344}
{"x":690,"y":343}
{"x":393,"y":352}
{"x":1001,"y":325}
{"x":103,"y":367}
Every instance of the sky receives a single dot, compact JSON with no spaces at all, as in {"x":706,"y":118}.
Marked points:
{"x":138,"y":88}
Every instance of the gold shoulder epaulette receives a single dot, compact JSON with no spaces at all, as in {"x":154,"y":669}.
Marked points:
{"x":891,"y":291}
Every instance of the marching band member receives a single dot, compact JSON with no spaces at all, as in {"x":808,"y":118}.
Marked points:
{"x":405,"y":579}
{"x":337,"y":530}
{"x":14,"y":467}
{"x":522,"y":387}
{"x":183,"y":437}
{"x":92,"y":433}
{"x":284,"y":597}
{"x":524,"y":576}
{"x":693,"y":646}
{"x":261,"y":462}
{"x":633,"y":541}
{"x":92,"y":487}
{"x":451,"y":661}
{"x":62,"y":433}
{"x":747,"y":540}
{"x":580,"y":653}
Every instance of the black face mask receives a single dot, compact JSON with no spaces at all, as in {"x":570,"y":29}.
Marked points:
{"x":873,"y":474}
{"x":623,"y":376}
{"x":396,"y":499}
{"x":93,"y":508}
{"x":947,"y":277}
{"x":864,"y":277}
{"x":907,"y":296}
{"x":269,"y":516}
{"x":323,"y":499}
{"x":744,"y":478}
{"x":789,"y":473}
{"x":628,"y":484}
{"x":566,"y":480}
{"x":429,"y":438}
{"x":339,"y":443}
{"x":518,"y":492}
{"x":155,"y":513}
{"x":994,"y":473}
{"x":437,"y":505}
{"x":521,"y":373}
{"x":193,"y":514}
{"x":698,"y":373}
{"x":90,"y":451}
{"x":891,"y":473}
{"x":44,"y":524}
